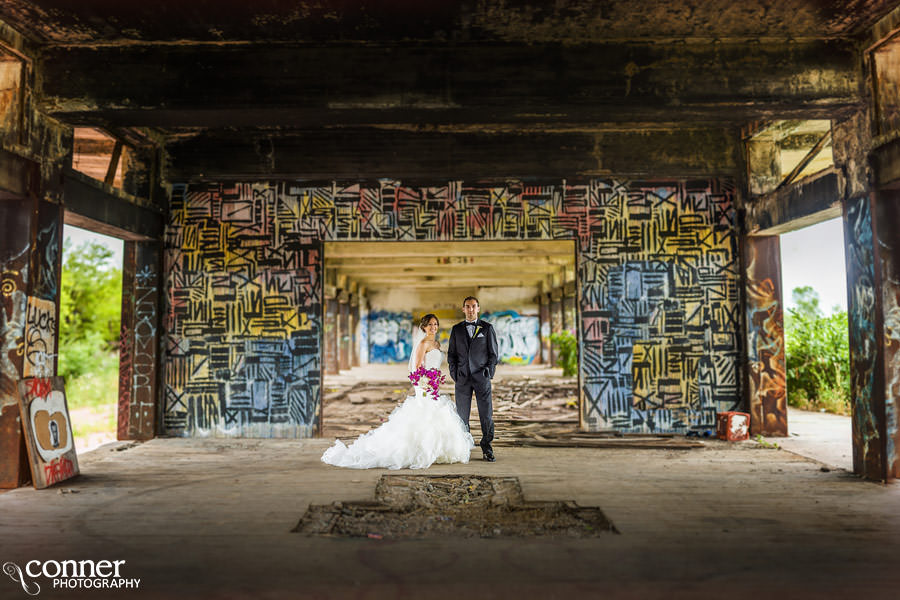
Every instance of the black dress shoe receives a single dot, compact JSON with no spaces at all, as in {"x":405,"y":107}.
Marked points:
{"x":489,"y":455}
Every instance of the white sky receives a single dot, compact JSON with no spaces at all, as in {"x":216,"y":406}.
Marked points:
{"x":814,"y":256}
{"x":78,"y":236}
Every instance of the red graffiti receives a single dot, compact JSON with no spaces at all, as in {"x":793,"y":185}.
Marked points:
{"x":58,"y":469}
{"x":38,"y":387}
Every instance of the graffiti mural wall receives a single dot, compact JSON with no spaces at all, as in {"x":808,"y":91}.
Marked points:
{"x":862,"y":316}
{"x":389,"y":336}
{"x":765,"y":337}
{"x":518,"y":336}
{"x":243,"y":322}
{"x":657,"y":267}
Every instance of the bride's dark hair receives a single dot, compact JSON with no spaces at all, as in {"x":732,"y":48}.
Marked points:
{"x":427,"y":319}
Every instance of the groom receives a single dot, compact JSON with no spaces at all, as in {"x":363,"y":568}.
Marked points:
{"x":472,"y":357}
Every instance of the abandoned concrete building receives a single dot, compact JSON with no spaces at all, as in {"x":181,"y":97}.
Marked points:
{"x":296,"y":182}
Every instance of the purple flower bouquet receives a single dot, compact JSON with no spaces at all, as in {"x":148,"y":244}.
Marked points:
{"x":433,"y":378}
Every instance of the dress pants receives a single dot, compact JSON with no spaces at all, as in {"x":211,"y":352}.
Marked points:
{"x":481,"y":385}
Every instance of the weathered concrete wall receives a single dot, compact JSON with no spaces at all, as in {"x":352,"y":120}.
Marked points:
{"x":513,"y":311}
{"x":657,"y":262}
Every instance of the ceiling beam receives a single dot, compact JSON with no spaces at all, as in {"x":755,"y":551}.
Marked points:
{"x":430,"y":156}
{"x":464,"y":249}
{"x":331,"y":85}
{"x":460,"y":262}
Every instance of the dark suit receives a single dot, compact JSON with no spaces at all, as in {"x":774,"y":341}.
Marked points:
{"x":472,"y":362}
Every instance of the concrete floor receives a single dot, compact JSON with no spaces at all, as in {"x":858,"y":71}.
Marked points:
{"x":212,"y":519}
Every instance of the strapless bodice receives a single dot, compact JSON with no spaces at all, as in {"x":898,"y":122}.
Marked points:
{"x":433,"y":359}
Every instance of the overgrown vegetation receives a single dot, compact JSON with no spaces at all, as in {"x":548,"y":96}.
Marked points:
{"x":90,"y":307}
{"x":566,"y":352}
{"x":818,"y":355}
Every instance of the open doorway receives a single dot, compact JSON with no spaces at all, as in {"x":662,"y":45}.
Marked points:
{"x":816,"y":343}
{"x":90,"y":316}
{"x":376,"y":292}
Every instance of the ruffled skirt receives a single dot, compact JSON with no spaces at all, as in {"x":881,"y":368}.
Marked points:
{"x":420,"y":432}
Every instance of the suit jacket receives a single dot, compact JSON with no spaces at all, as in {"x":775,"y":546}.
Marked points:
{"x":476,"y":356}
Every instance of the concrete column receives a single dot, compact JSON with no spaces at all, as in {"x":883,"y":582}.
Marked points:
{"x":544,"y":320}
{"x":139,"y":342}
{"x":766,"y":393}
{"x":344,"y":335}
{"x":354,"y":325}
{"x":330,"y":332}
{"x":556,"y":316}
{"x":30,"y":266}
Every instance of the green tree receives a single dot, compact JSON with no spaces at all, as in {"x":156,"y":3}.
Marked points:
{"x":90,"y":308}
{"x":566,"y":352}
{"x":817,"y":355}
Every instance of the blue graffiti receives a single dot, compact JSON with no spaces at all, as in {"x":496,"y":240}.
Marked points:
{"x":390,"y":336}
{"x":518,"y":336}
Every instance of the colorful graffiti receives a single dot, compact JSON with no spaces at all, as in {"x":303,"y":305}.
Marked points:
{"x":222,"y":239}
{"x":765,"y":337}
{"x":390,"y":336}
{"x":48,"y":430}
{"x":864,"y":357}
{"x":40,"y":338}
{"x":518,"y":336}
{"x":244,"y":299}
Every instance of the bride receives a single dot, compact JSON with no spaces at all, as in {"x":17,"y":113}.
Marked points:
{"x":425,"y":429}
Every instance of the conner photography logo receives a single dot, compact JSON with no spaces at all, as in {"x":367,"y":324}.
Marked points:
{"x":70,"y":574}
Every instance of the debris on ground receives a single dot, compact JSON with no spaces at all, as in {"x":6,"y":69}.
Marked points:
{"x":420,"y":506}
{"x":528,"y":411}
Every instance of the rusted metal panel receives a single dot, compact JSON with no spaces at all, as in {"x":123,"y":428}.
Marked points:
{"x":15,"y":214}
{"x":887,"y":227}
{"x":767,"y":389}
{"x":866,"y":343}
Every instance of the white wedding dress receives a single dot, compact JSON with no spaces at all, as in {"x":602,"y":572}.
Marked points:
{"x":420,"y":432}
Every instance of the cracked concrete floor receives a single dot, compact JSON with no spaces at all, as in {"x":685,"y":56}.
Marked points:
{"x":212,"y":518}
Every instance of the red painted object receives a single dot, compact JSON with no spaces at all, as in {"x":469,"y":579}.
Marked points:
{"x":732,"y":426}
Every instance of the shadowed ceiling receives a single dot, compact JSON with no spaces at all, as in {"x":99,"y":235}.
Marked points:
{"x":474,"y":21}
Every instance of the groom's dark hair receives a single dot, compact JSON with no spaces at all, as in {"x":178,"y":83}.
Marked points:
{"x":467,"y":298}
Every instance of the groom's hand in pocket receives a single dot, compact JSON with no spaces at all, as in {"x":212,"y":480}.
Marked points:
{"x":486,"y":373}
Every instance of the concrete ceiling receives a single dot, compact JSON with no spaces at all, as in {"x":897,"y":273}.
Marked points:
{"x":439,"y":89}
{"x":451,"y":265}
{"x":87,"y":22}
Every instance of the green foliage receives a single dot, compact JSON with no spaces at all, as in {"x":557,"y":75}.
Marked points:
{"x":817,"y":355}
{"x":90,"y":309}
{"x":566,"y":352}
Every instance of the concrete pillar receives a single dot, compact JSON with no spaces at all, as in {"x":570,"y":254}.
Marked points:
{"x":556,"y":316}
{"x":139,"y":342}
{"x":330,"y":331}
{"x":354,"y":325}
{"x":30,"y":267}
{"x":766,"y":392}
{"x":344,"y":336}
{"x":544,"y":321}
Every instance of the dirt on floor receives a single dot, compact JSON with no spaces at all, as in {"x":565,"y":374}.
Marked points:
{"x":531,"y":408}
{"x":422,"y":506}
